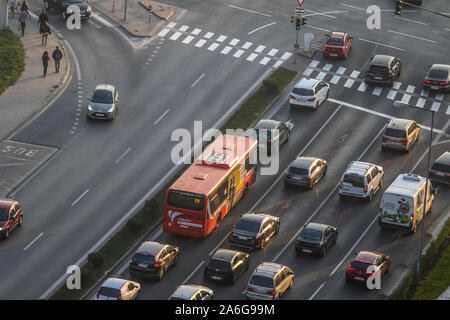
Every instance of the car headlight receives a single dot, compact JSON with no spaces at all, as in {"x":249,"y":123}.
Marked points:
{"x":90,"y":108}
{"x":111,"y":109}
{"x":2,"y":228}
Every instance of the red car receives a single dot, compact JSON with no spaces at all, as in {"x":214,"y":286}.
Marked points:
{"x":11,"y":216}
{"x":338,"y":45}
{"x":357,"y":269}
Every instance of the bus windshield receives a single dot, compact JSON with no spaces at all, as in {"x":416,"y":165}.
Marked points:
{"x":186,"y":200}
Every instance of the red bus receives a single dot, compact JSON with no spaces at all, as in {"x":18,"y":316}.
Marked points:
{"x":199,"y":199}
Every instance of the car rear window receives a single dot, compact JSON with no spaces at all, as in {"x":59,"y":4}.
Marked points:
{"x":299,"y":171}
{"x":436,"y":166}
{"x":395,"y":133}
{"x":360,"y":265}
{"x":378,"y":69}
{"x":262,"y":281}
{"x":185,"y":200}
{"x":438,"y":74}
{"x":4,"y":214}
{"x":335,"y":42}
{"x":303,"y":91}
{"x":311,"y":235}
{"x":247,"y":226}
{"x":143,"y":258}
{"x":218,"y":264}
{"x":355,"y":180}
{"x":109,"y":292}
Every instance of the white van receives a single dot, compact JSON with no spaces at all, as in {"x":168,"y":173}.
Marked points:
{"x":402,"y":203}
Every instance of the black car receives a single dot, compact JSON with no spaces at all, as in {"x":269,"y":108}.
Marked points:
{"x":152,"y":259}
{"x":383,"y":69}
{"x":438,"y":78}
{"x":316,"y":238}
{"x":440,"y":170}
{"x":269,"y":138}
{"x":254,"y":230}
{"x":226,"y":265}
{"x":305,"y":171}
{"x":62,"y":5}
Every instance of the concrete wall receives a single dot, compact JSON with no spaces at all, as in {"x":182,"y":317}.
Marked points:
{"x":3,"y":14}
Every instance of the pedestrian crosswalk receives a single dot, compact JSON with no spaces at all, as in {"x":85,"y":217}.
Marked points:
{"x":225,"y":45}
{"x":353,"y":79}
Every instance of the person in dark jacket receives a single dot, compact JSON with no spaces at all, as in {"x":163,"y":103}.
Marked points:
{"x":45,"y":60}
{"x":57,"y":56}
{"x":45,"y":32}
{"x":42,"y":19}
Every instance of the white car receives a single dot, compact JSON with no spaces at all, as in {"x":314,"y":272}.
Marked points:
{"x":309,"y":92}
{"x":118,"y":289}
{"x":192,"y":292}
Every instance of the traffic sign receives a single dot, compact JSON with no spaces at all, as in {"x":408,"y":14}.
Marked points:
{"x":299,"y":10}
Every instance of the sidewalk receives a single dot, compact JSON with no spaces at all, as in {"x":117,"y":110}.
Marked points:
{"x":32,"y":93}
{"x":137,"y":22}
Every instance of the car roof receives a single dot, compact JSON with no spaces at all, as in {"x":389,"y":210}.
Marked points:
{"x":254,"y":217}
{"x":187,"y":290}
{"x":307,"y":83}
{"x":151,"y":248}
{"x":268,"y":268}
{"x":438,"y":66}
{"x":381,"y":60}
{"x":114,"y":283}
{"x":316,"y":226}
{"x":225,"y":254}
{"x":6,"y":203}
{"x":397,"y":123}
{"x":267,"y":124}
{"x":367,"y":256}
{"x":358,"y":167}
{"x":103,"y":86}
{"x":444,"y":158}
{"x":406,"y":184}
{"x":337,"y":34}
{"x":303,"y":162}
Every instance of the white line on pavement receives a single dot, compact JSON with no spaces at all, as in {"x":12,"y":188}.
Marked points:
{"x":408,"y":35}
{"x":272,"y":52}
{"x":321,"y":13}
{"x":100,"y":19}
{"x":200,"y":43}
{"x":193,"y":272}
{"x":318,"y":28}
{"x":265,"y":26}
{"x":122,"y":156}
{"x":239,"y":8}
{"x":213,"y":46}
{"x":381,"y":44}
{"x":196,"y":31}
{"x":247,"y":45}
{"x":79,"y":198}
{"x":234,"y":42}
{"x":226,"y":50}
{"x":159,"y":119}
{"x":238,"y":53}
{"x":415,"y":21}
{"x":32,"y":242}
{"x":200,"y":78}
{"x":251,"y":57}
{"x":187,"y":40}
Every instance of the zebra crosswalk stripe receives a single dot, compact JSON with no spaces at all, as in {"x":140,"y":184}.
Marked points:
{"x":200,"y":43}
{"x":175,"y":36}
{"x":272,"y":52}
{"x":213,"y":46}
{"x":226,"y":50}
{"x":196,"y":31}
{"x":377,"y":91}
{"x":163,"y":32}
{"x":264,"y":60}
{"x":238,"y":53}
{"x":251,"y":57}
{"x":435,"y":106}
{"x":420,"y":102}
{"x":362,"y":87}
{"x":308,"y":72}
{"x":188,"y":39}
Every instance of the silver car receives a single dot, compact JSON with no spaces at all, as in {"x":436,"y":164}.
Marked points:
{"x":361,"y":180}
{"x":192,"y":292}
{"x":118,"y":289}
{"x":104,"y":102}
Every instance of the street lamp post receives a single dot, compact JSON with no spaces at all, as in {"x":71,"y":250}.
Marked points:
{"x":125,"y":11}
{"x":419,"y":253}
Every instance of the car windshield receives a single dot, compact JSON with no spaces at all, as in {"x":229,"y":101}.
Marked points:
{"x":218,"y":264}
{"x":438,"y":74}
{"x":335,"y":42}
{"x":143,"y":258}
{"x":355,"y":180}
{"x":303,"y":91}
{"x":73,"y":1}
{"x":360,"y":265}
{"x":4,"y":213}
{"x":436,"y":167}
{"x":185,"y":200}
{"x":102,"y":96}
{"x":378,"y":69}
{"x":109,"y":292}
{"x":262,"y":281}
{"x":247,"y":226}
{"x":299,"y":171}
{"x":394,"y":133}
{"x":311,"y":235}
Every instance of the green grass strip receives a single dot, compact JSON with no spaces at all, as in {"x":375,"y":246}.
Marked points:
{"x":12,"y":59}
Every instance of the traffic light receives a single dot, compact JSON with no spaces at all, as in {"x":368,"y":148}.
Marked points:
{"x":298,"y":23}
{"x":292,"y":19}
{"x":303,"y":21}
{"x":398,"y":7}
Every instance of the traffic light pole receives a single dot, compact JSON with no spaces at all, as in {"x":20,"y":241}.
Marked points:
{"x":296,"y":48}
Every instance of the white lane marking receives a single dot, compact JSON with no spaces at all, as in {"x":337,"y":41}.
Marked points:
{"x":439,"y":97}
{"x":448,"y":110}
{"x":171,"y":25}
{"x":391,"y":95}
{"x":80,"y":197}
{"x":377,"y":91}
{"x":247,"y":45}
{"x":411,"y":36}
{"x":335,"y":79}
{"x":200,"y":43}
{"x":95,"y":25}
{"x":77,"y":64}
{"x":349,"y":83}
{"x":251,"y":57}
{"x":213,"y":46}
{"x":176,"y":35}
{"x":272,"y":52}
{"x":200,"y":78}
{"x":193,"y":272}
{"x":265,"y":26}
{"x":420,"y":102}
{"x":435,"y":106}
{"x":239,"y":8}
{"x":259,"y":49}
{"x":188,"y":39}
{"x":159,"y":119}
{"x":381,"y":44}
{"x":183,"y":28}
{"x":314,"y":63}
{"x":446,"y":29}
{"x":226,"y":50}
{"x":318,"y":28}
{"x":278,"y":63}
{"x":424,"y":93}
{"x":208,"y":35}
{"x":286,"y":55}
{"x":415,"y":21}
{"x":317,"y":291}
{"x":341,"y":70}
{"x":410,"y":89}
{"x":264,"y":60}
{"x":100,"y":19}
{"x":196,"y":31}
{"x":355,"y":74}
{"x":347,"y":5}
{"x":234,"y":42}
{"x":315,"y":13}
{"x":221,"y":38}
{"x":362,"y":87}
{"x":321,"y":75}
{"x":396,"y":85}
{"x":327,"y":67}
{"x":122,"y":156}
{"x":238,"y":53}
{"x":406,"y":98}
{"x":32,"y":242}
{"x":308,"y":72}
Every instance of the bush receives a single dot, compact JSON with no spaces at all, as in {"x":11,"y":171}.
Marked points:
{"x":133,"y":226}
{"x":96,"y":259}
{"x":151,"y":206}
{"x":87,"y":274}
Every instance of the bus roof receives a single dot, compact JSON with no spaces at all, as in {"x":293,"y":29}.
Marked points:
{"x":217,"y":160}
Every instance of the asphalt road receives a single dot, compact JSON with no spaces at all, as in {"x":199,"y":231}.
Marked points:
{"x":102,"y":169}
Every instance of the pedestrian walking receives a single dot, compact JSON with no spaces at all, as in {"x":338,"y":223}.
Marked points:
{"x":45,"y":32}
{"x":42,"y":19}
{"x":45,"y":60}
{"x":25,"y":7}
{"x":12,"y":5}
{"x":23,"y":20}
{"x":57,"y":56}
